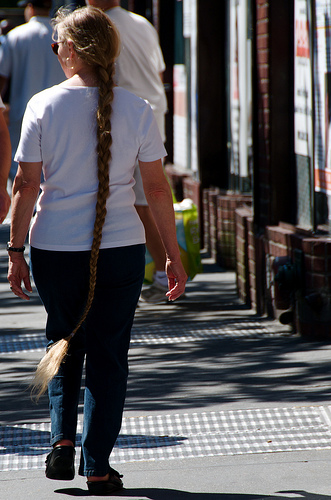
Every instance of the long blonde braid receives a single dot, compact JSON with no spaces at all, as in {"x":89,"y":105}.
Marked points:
{"x":104,"y":156}
{"x":83,"y":26}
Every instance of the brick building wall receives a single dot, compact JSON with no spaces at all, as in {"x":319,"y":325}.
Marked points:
{"x":262,"y":136}
{"x":311,"y":293}
{"x":242,"y":217}
{"x":248,"y":240}
{"x":209,"y":220}
{"x":226,"y":205}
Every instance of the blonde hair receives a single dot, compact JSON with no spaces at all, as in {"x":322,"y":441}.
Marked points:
{"x":97,"y":43}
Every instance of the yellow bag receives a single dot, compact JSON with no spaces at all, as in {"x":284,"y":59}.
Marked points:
{"x":188,"y":237}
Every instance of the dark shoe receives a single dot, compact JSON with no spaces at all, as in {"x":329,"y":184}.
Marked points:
{"x":102,"y":488}
{"x":60,"y":463}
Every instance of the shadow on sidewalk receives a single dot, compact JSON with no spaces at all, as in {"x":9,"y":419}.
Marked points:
{"x":179,"y":376}
{"x":187,"y":374}
{"x":166,"y":494}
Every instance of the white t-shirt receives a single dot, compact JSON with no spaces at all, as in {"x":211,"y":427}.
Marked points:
{"x":27,"y":58}
{"x":59,"y":129}
{"x":2,"y":106}
{"x":140,"y":61}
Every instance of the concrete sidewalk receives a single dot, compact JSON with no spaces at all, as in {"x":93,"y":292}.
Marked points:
{"x":221,"y":404}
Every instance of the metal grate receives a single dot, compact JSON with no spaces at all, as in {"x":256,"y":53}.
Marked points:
{"x":178,"y":436}
{"x":156,"y":334}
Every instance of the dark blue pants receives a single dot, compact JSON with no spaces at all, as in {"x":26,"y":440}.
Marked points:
{"x":62,"y":280}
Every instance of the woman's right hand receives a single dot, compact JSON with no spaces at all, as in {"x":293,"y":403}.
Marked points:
{"x":18,"y":272}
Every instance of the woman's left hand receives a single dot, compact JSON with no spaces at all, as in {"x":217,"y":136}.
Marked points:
{"x":177,"y":278}
{"x":19,"y":271}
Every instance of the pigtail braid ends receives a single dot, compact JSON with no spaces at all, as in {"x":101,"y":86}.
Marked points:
{"x":96,"y":41}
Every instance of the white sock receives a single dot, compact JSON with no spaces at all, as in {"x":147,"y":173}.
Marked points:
{"x":161,"y":278}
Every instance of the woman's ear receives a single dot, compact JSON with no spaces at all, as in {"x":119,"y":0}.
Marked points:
{"x":70,"y":45}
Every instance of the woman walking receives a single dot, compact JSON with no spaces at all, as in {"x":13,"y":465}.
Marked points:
{"x":87,"y":241}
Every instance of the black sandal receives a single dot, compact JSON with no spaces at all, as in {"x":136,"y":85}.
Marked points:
{"x":60,"y":463}
{"x":113,"y":484}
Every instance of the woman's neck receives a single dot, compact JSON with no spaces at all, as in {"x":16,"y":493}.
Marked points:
{"x":83,"y":79}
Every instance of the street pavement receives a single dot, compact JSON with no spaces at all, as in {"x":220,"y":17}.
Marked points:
{"x":221,"y":404}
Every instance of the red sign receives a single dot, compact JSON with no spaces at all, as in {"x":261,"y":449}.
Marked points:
{"x":302,"y":38}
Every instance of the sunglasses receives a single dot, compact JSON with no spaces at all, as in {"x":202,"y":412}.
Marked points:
{"x":55,"y":47}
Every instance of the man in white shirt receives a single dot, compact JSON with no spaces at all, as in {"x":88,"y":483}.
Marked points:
{"x":139,"y":69}
{"x":27,"y":60}
{"x":5,"y":158}
{"x":140,"y":66}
